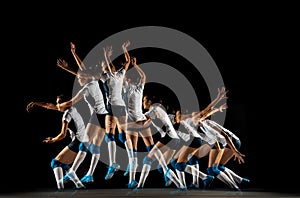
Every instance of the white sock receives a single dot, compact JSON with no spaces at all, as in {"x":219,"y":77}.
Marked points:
{"x":225,"y":179}
{"x":112,"y":152}
{"x":144,"y":175}
{"x":191,"y":170}
{"x":130,"y":160}
{"x":78,"y":160}
{"x":172,"y":176}
{"x":132,"y":169}
{"x":196,"y":176}
{"x":94,"y":161}
{"x":75,"y":179}
{"x":233,"y":175}
{"x":181,"y":177}
{"x":59,"y":174}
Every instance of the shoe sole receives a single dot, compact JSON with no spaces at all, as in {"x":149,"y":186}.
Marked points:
{"x":87,"y":182}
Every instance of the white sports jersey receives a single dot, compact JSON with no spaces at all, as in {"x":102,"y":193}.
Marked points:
{"x":135,"y":101}
{"x":190,"y":127}
{"x":72,"y":113}
{"x":162,"y":133}
{"x":94,"y":97}
{"x":115,"y":84}
{"x":157,"y":112}
{"x":212,"y":135}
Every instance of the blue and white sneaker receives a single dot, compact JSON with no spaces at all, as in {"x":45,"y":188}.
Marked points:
{"x":245,"y":180}
{"x":168,"y":182}
{"x":192,"y":186}
{"x":132,"y":184}
{"x":111,"y":171}
{"x":87,"y":179}
{"x":127,"y":169}
{"x":138,"y":189}
{"x":207,"y":181}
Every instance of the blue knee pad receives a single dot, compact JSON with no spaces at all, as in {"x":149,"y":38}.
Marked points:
{"x":221,"y":167}
{"x":149,"y":148}
{"x":214,"y":171}
{"x":82,"y":147}
{"x":122,"y":137}
{"x":94,"y":149}
{"x":193,"y":160}
{"x":147,"y":160}
{"x":109,"y":137}
{"x":173,"y":162}
{"x":180,"y":166}
{"x":55,"y":163}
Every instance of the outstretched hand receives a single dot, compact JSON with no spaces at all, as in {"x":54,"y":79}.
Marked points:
{"x":222,"y":93}
{"x":61,"y":63}
{"x":108,"y":51}
{"x":49,"y":140}
{"x":126,"y":44}
{"x":30,"y":106}
{"x":73,"y":48}
{"x":223,"y":107}
{"x":239,"y":156}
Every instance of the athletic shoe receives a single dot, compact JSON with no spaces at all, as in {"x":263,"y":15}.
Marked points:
{"x":168,"y":182}
{"x":111,"y":171}
{"x":132,"y":184}
{"x":87,"y":179}
{"x":207,"y":181}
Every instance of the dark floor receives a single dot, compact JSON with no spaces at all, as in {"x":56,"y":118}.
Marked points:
{"x":147,"y":192}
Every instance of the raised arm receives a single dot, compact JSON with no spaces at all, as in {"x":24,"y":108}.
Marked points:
{"x":221,"y":95}
{"x":77,"y":59}
{"x":64,"y":65}
{"x":45,"y":105}
{"x":215,"y":110}
{"x":107,"y":53}
{"x":74,"y":100}
{"x":126,"y":54}
{"x":139,"y":70}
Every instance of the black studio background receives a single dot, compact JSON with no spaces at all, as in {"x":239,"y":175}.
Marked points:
{"x":248,"y":48}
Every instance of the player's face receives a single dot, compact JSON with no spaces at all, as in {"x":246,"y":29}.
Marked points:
{"x":146,"y":102}
{"x":178,"y":115}
{"x":82,"y":79}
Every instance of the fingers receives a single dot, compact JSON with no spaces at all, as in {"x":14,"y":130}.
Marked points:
{"x":29,"y":106}
{"x":48,"y":140}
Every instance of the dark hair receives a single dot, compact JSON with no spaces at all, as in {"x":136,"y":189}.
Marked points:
{"x":153,"y":98}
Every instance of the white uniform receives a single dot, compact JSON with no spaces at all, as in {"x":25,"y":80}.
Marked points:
{"x":115,"y":84}
{"x":135,"y":101}
{"x":94,"y":97}
{"x":211,"y":135}
{"x":70,"y":114}
{"x":190,"y":127}
{"x":157,"y":112}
